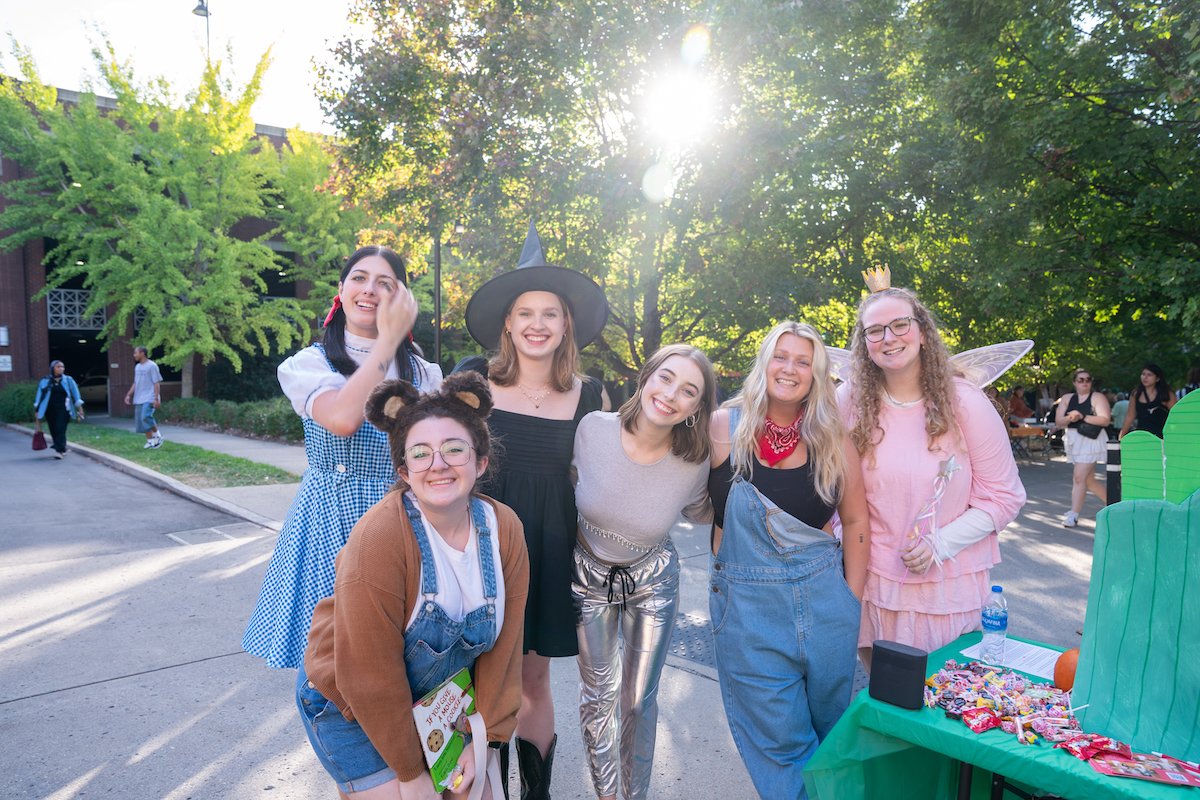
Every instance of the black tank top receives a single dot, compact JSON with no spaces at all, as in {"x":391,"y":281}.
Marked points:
{"x":1151,"y":414}
{"x":792,"y":490}
{"x":1083,"y":408}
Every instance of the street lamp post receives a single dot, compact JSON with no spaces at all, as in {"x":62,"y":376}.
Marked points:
{"x":437,"y":294}
{"x":201,"y":10}
{"x":437,"y":287}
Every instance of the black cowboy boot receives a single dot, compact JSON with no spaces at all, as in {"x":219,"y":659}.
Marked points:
{"x":503,"y":755}
{"x":535,"y":771}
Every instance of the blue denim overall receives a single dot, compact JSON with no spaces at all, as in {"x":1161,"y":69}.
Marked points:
{"x":435,"y":647}
{"x":785,"y":629}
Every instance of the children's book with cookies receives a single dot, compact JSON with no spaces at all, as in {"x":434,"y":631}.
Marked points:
{"x":442,"y":724}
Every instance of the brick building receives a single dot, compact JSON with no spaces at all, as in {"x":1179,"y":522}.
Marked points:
{"x":35,"y":332}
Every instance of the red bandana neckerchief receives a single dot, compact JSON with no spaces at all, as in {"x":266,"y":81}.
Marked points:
{"x":776,"y":442}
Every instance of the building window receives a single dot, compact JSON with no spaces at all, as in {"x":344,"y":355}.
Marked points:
{"x":65,"y":309}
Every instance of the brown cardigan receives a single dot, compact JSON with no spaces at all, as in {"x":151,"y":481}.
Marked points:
{"x":355,"y":654}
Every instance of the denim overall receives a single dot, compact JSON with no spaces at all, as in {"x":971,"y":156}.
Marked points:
{"x":436,"y":647}
{"x":785,"y":629}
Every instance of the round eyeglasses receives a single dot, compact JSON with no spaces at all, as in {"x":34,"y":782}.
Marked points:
{"x":898,"y":327}
{"x":455,"y":452}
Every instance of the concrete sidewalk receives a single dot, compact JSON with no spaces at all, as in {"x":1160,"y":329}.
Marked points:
{"x":125,"y":675}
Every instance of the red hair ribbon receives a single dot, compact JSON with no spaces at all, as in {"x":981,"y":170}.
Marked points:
{"x":337,"y":303}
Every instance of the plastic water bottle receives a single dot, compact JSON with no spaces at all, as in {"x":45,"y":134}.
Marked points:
{"x":995,"y":626}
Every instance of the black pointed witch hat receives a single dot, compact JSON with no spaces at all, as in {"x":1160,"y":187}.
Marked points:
{"x":491,"y":302}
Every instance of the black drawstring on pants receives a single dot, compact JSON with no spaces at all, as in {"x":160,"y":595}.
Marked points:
{"x":628,"y":584}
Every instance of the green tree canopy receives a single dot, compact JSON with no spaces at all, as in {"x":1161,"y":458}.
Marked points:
{"x":143,"y":199}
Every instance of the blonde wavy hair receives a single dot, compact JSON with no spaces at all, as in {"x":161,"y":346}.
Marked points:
{"x":867,"y":384}
{"x":822,"y":430}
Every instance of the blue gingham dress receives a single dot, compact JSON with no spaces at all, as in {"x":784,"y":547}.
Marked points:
{"x":345,"y":477}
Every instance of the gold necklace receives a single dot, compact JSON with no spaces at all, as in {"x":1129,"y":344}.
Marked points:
{"x":535,"y":398}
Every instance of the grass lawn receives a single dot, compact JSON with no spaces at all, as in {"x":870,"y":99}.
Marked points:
{"x":194,"y":466}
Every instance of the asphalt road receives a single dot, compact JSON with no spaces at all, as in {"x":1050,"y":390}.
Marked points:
{"x":121,"y":673}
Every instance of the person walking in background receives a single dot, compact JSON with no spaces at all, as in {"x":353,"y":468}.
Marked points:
{"x":1193,"y":383}
{"x":366,"y":341}
{"x":432,"y":581}
{"x":145,"y":396}
{"x":57,"y":401}
{"x":1149,"y":403}
{"x":535,"y":320}
{"x":785,"y":592}
{"x":939,"y":473}
{"x":1084,"y":413}
{"x":638,"y":470}
{"x":1119,"y":409}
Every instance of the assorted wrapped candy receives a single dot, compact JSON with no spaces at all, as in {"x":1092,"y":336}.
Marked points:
{"x":984,"y":697}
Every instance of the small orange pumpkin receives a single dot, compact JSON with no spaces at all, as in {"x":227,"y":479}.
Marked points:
{"x":1064,"y":669}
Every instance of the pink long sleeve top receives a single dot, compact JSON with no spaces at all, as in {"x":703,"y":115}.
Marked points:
{"x":902,"y":480}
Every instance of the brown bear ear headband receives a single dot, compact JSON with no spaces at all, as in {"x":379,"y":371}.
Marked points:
{"x":462,"y":395}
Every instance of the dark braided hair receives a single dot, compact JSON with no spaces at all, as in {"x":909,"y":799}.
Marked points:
{"x":335,"y":333}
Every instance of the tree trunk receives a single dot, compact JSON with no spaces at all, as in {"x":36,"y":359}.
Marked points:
{"x":189,"y":367}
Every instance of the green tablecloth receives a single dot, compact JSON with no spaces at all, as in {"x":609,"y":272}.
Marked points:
{"x":880,"y":751}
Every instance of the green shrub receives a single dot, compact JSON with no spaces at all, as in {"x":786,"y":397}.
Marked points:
{"x":274,"y":417}
{"x":16,"y":401}
{"x":185,"y":409}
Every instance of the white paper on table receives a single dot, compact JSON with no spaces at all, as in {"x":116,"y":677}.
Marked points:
{"x":1021,"y":656}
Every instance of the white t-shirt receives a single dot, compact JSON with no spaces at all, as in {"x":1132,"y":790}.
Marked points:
{"x":145,"y":375}
{"x":459,"y":577}
{"x":307,"y":375}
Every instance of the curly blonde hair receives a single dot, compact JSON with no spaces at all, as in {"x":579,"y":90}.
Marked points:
{"x":822,"y":430}
{"x":867,"y":384}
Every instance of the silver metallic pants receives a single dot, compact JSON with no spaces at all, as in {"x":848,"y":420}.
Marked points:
{"x":625,"y":615}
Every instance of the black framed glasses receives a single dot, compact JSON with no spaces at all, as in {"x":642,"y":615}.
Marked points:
{"x":455,"y":452}
{"x":1083,"y":380}
{"x":898,"y":327}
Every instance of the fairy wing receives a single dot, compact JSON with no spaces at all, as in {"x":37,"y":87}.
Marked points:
{"x":839,"y":362}
{"x":985,"y":364}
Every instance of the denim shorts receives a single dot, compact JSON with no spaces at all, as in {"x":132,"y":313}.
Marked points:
{"x":143,"y":417}
{"x":341,"y":746}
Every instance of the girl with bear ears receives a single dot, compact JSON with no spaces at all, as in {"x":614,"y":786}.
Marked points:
{"x":432,"y":579}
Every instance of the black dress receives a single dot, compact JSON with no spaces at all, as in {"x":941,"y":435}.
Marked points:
{"x":532,"y":477}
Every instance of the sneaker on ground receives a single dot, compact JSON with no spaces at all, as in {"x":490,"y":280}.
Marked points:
{"x":156,"y":442}
{"x":149,"y":445}
{"x":58,"y":454}
{"x":1070,"y":520}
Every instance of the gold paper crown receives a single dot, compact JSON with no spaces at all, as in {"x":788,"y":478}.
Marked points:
{"x":878,"y":279}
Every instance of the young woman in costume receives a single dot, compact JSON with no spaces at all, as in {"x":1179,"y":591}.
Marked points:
{"x":785,"y":592}
{"x":939,"y":476}
{"x":1084,"y":405}
{"x":536,"y":319}
{"x":432,"y":580}
{"x":638,"y":469}
{"x":366,"y":341}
